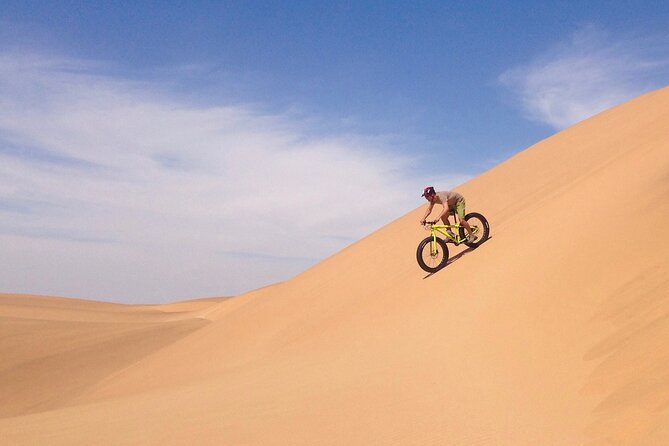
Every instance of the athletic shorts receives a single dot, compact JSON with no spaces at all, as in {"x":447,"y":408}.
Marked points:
{"x":459,"y":209}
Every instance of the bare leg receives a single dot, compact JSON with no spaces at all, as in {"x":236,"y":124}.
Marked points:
{"x":445,"y":219}
{"x":465,"y":224}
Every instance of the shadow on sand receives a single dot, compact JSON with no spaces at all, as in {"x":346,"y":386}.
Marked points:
{"x":458,"y":256}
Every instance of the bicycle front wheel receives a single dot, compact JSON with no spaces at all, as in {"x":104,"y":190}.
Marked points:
{"x":432,"y":256}
{"x":480,"y":228}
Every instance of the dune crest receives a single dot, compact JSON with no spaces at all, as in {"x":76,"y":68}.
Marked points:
{"x":554,"y":332}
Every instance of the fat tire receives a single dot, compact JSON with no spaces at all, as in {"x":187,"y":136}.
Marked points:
{"x":419,"y":255}
{"x":483,"y":234}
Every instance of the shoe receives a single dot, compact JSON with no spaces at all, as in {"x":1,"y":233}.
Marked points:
{"x":451,"y":234}
{"x":472,"y":238}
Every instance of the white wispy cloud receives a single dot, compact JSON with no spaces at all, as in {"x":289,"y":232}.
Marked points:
{"x":116,"y":189}
{"x":590,"y":72}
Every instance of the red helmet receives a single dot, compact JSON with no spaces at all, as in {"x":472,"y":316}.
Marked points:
{"x":428,"y":191}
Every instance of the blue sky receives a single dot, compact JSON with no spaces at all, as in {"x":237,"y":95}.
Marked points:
{"x":155,"y":151}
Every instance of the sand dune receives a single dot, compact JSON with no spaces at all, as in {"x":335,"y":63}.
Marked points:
{"x":554,"y":332}
{"x":54,"y":348}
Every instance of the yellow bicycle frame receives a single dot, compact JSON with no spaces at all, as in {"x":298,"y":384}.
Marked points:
{"x":442,"y":230}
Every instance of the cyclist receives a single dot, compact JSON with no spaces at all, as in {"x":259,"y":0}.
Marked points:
{"x":453,"y":203}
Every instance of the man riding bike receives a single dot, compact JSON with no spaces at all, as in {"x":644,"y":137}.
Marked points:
{"x":453,"y":203}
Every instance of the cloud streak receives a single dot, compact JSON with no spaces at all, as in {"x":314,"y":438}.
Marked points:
{"x":104,"y":174}
{"x":590,"y":72}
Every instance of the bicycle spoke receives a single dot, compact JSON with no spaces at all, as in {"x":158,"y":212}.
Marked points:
{"x":432,"y":255}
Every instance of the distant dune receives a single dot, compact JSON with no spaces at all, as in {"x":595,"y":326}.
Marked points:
{"x":553,"y":332}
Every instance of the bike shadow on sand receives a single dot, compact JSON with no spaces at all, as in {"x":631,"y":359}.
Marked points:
{"x":458,"y":256}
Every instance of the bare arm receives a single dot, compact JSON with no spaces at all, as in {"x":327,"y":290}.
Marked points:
{"x":427,"y":212}
{"x":444,"y":215}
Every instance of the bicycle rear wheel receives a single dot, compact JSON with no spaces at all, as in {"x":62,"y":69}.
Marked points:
{"x":480,"y":228}
{"x":432,"y":260}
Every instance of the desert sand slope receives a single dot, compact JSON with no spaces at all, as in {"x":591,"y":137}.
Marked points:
{"x":554,"y":332}
{"x":52,"y":348}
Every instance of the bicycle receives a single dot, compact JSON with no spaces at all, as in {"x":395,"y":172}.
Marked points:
{"x":432,"y":252}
